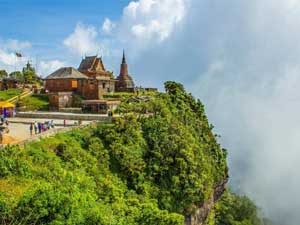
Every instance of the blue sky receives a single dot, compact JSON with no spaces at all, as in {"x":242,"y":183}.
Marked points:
{"x":41,"y":21}
{"x":47,"y":23}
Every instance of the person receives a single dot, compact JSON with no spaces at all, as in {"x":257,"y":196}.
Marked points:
{"x":40,"y":127}
{"x":1,"y":136}
{"x":65,"y":123}
{"x":35,"y":127}
{"x":6,"y":122}
{"x":46,"y":124}
{"x":31,"y":128}
{"x":52,"y":124}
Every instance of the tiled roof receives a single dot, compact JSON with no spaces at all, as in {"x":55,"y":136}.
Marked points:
{"x":87,"y":63}
{"x":66,"y":73}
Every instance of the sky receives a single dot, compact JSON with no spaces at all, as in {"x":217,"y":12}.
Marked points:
{"x":241,"y":58}
{"x":44,"y":25}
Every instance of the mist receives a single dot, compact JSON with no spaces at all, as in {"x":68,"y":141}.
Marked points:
{"x":242,"y":60}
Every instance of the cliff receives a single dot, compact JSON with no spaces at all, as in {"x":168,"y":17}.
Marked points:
{"x":159,"y":163}
{"x":200,"y":216}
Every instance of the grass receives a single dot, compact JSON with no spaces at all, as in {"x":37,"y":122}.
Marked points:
{"x":10,"y":93}
{"x":35,"y":102}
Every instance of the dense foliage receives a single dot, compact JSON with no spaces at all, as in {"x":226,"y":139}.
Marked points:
{"x":236,"y":210}
{"x":153,"y":165}
{"x":3,"y":74}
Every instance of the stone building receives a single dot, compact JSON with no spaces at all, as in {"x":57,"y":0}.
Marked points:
{"x":99,"y":81}
{"x":64,"y":80}
{"x":62,"y":84}
{"x":124,"y":80}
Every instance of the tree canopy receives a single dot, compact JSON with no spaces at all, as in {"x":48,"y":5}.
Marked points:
{"x":16,"y":75}
{"x":154,"y":165}
{"x":3,"y":74}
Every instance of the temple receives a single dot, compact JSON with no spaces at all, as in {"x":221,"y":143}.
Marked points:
{"x":93,"y":67}
{"x":91,"y":81}
{"x":99,"y":82}
{"x":124,"y":81}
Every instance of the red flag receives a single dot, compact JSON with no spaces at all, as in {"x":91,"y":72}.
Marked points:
{"x":19,"y":55}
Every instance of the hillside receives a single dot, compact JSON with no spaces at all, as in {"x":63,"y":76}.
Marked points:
{"x":159,"y":163}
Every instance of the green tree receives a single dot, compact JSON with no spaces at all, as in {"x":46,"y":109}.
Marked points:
{"x":3,"y":74}
{"x":29,"y":76}
{"x":16,"y":75}
{"x":29,"y":73}
{"x":155,"y":164}
{"x":236,"y":210}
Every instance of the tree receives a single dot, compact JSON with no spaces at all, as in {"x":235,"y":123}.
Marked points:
{"x":3,"y":74}
{"x":29,"y":73}
{"x":16,"y":75}
{"x":29,"y":76}
{"x":235,"y":209}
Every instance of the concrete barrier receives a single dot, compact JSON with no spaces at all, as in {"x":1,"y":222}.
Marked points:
{"x":64,"y":116}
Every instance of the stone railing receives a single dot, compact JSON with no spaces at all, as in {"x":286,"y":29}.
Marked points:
{"x":64,"y":116}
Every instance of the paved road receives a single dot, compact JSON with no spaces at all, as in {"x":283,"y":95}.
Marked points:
{"x":19,"y":128}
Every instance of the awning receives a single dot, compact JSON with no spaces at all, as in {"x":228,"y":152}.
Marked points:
{"x":6,"y":105}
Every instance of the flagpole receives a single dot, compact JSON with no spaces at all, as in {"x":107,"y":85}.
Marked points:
{"x":15,"y":61}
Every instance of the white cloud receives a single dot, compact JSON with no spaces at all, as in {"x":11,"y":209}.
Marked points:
{"x":151,"y":21}
{"x":143,"y":24}
{"x":83,"y":40}
{"x":10,"y":62}
{"x":108,"y":26}
{"x":47,"y":67}
{"x":7,"y":58}
{"x":17,"y":45}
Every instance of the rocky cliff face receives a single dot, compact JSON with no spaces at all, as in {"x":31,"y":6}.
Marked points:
{"x":201,"y":215}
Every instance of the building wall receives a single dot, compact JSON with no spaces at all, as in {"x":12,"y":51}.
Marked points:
{"x":60,"y":100}
{"x":61,"y":85}
{"x":88,"y":89}
{"x":8,"y":84}
{"x":95,"y":89}
{"x":105,"y":87}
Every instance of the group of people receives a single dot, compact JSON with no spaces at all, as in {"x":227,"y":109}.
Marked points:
{"x":38,"y":127}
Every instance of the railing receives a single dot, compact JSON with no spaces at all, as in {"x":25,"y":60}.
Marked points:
{"x":21,"y":96}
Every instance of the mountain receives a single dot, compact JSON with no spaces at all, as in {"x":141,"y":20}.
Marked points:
{"x":158,"y":163}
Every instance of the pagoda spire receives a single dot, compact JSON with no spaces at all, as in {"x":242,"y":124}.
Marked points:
{"x":124,"y":58}
{"x":124,"y":68}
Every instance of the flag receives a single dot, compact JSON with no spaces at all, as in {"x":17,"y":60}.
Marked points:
{"x":19,"y":55}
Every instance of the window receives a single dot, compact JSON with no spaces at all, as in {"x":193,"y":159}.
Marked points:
{"x":103,"y":85}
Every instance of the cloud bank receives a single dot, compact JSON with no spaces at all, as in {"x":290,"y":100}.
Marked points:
{"x":242,"y":59}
